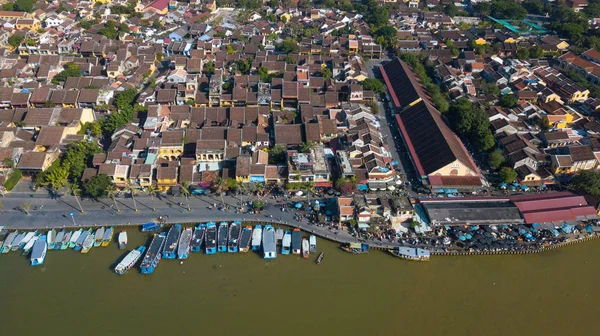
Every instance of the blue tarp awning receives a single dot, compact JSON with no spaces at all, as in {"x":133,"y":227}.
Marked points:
{"x":363,"y":187}
{"x":298,"y":205}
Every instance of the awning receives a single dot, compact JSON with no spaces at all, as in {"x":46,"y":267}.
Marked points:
{"x":363,"y":226}
{"x":323,"y":184}
{"x":363,"y":187}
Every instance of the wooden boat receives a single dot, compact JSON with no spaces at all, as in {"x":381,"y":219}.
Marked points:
{"x":320,"y":257}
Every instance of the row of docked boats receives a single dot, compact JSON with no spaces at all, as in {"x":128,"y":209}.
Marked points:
{"x":36,"y":245}
{"x":224,"y":237}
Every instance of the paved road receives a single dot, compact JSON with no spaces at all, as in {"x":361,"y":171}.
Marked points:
{"x":49,"y":213}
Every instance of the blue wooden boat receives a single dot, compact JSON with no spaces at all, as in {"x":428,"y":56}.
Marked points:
{"x":198,"y":237}
{"x":153,"y":254}
{"x":151,"y":227}
{"x":170,"y":249}
{"x":210,"y":241}
{"x":222,"y":237}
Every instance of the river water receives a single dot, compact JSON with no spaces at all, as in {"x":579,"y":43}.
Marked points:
{"x":552,"y":293}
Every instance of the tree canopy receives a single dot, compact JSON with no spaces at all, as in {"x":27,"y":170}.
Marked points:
{"x":15,"y":40}
{"x":508,"y":100}
{"x":288,"y":45}
{"x":98,"y":186}
{"x":508,"y":9}
{"x":71,"y":70}
{"x":472,"y":123}
{"x":507,"y":174}
{"x":373,"y":84}
{"x":19,"y":6}
{"x":587,"y":181}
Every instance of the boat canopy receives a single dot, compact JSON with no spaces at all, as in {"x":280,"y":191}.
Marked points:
{"x":355,"y":245}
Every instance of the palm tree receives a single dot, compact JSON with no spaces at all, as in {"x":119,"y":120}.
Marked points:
{"x":185,"y":190}
{"x":75,"y":191}
{"x":112,"y":193}
{"x":129,"y":188}
{"x":25,"y":207}
{"x":151,"y":190}
{"x":220,"y":188}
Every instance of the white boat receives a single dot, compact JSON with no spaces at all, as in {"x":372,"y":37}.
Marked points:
{"x":16,"y":243}
{"x":8,"y":241}
{"x":98,"y":237}
{"x":28,"y":237}
{"x":59,"y":239}
{"x":122,"y":239}
{"x":256,"y":237}
{"x":312,"y":240}
{"x":305,"y":248}
{"x":65,"y":242}
{"x":51,"y":238}
{"x":88,"y":243}
{"x":29,"y":244}
{"x":38,"y":253}
{"x":130,"y":260}
{"x":74,"y":238}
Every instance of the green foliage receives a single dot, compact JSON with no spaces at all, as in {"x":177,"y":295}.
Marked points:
{"x":277,"y":154}
{"x":450,"y":10}
{"x":20,"y":6}
{"x":306,"y":147}
{"x":244,"y":65}
{"x":471,"y":123}
{"x":12,"y":180}
{"x":288,"y":45}
{"x":377,"y":16}
{"x":438,"y":99}
{"x":497,"y":158}
{"x":8,"y":162}
{"x":523,"y":53}
{"x":537,"y":7}
{"x":580,"y":79}
{"x":258,"y":204}
{"x":374,"y":107}
{"x":507,"y":9}
{"x":386,"y":36}
{"x":98,"y":186}
{"x":453,"y":49}
{"x":126,"y":110}
{"x":289,"y":59}
{"x":230,"y":49}
{"x":536,"y":52}
{"x":373,"y":84}
{"x":483,"y":9}
{"x":111,"y":30}
{"x":209,"y":67}
{"x":326,"y":73}
{"x":9,"y":7}
{"x":71,"y":70}
{"x":87,"y":24}
{"x":507,"y":174}
{"x":15,"y":40}
{"x":587,"y":182}
{"x":93,"y":127}
{"x":508,"y":100}
{"x":263,"y":73}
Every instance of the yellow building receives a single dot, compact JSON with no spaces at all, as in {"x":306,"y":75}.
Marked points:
{"x":166,"y":177}
{"x":101,"y":1}
{"x":574,"y":159}
{"x":558,"y":121}
{"x":31,"y":24}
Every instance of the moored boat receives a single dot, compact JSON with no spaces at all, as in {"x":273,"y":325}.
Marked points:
{"x":130,"y":260}
{"x":256,"y":237}
{"x":296,"y":241}
{"x":59,"y":239}
{"x":153,"y":255}
{"x":39,"y":250}
{"x":222,"y":237}
{"x":8,"y":241}
{"x":355,"y":248}
{"x":88,"y":243}
{"x":286,"y":244}
{"x":98,"y":235}
{"x":246,"y":238}
{"x":269,"y":242}
{"x":305,"y":248}
{"x":279,"y":235}
{"x":122,"y":239}
{"x":82,"y":238}
{"x":51,"y":239}
{"x":312,"y":240}
{"x":16,"y":243}
{"x":66,"y":239}
{"x":75,"y":237}
{"x":169,"y":251}
{"x":320,"y":257}
{"x":27,"y":248}
{"x":198,"y":237}
{"x":210,"y":241}
{"x":411,"y":253}
{"x":183,"y":248}
{"x":108,"y":234}
{"x":28,"y":237}
{"x":151,"y":227}
{"x":233,"y":239}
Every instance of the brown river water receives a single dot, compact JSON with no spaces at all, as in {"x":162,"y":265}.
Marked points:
{"x":551,"y":293}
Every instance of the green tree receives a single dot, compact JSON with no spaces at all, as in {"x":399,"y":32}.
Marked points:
{"x":230,"y":49}
{"x":496,"y":158}
{"x":289,"y":59}
{"x":534,"y":7}
{"x":151,"y":190}
{"x":15,"y":40}
{"x":258,"y":205}
{"x":244,"y":65}
{"x":8,"y":162}
{"x":523,"y":53}
{"x":377,"y":16}
{"x":306,"y":147}
{"x":9,"y":7}
{"x":25,"y":207}
{"x":508,"y":9}
{"x":587,"y":182}
{"x":374,"y":107}
{"x":482,"y":9}
{"x":326,"y":73}
{"x":185,"y":190}
{"x":23,"y":6}
{"x":536,"y":51}
{"x":508,"y":100}
{"x":132,"y":192}
{"x":471,"y":123}
{"x":71,"y":70}
{"x":373,"y":84}
{"x":263,"y":73}
{"x":76,"y":192}
{"x":387,"y":35}
{"x":110,"y":30}
{"x":112,"y":194}
{"x":209,"y":67}
{"x":277,"y":154}
{"x":507,"y":174}
{"x":288,"y":45}
{"x":98,"y":186}
{"x":450,"y":10}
